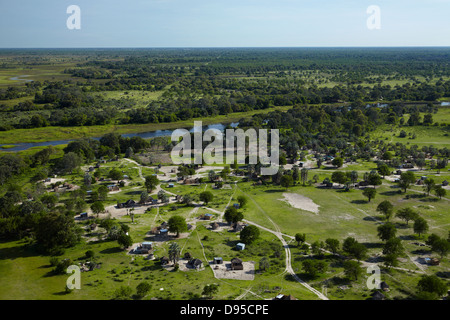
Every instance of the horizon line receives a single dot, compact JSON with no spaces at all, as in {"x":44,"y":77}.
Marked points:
{"x":228,"y":47}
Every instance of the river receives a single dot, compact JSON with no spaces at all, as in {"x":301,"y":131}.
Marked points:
{"x":144,"y":135}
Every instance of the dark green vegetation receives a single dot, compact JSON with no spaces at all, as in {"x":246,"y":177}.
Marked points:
{"x":325,"y":104}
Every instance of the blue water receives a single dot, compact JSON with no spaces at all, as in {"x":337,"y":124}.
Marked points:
{"x":144,"y":135}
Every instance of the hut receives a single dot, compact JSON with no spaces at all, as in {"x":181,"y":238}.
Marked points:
{"x":207,"y":216}
{"x":384,"y":286}
{"x":187,"y":256}
{"x":214,"y":225}
{"x":195,"y":263}
{"x":236,"y":264}
{"x":164,"y":232}
{"x":377,"y":295}
{"x":83,"y":215}
{"x":218,"y":260}
{"x":240,"y":246}
{"x":164,"y":260}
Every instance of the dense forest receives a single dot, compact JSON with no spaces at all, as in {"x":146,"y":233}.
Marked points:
{"x":208,"y":82}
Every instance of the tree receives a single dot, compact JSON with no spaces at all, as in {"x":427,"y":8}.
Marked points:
{"x":352,"y":269}
{"x":386,"y":208}
{"x":337,"y":162}
{"x":295,"y":174}
{"x":384,"y":170}
{"x":387,"y":156}
{"x":441,"y":164}
{"x":125,"y":240}
{"x":407,"y":214}
{"x":177,"y":224}
{"x":242,"y":200}
{"x":232,"y":215}
{"x":420,"y":226}
{"x":354,"y":249}
{"x":339,"y":177}
{"x":249,"y":234}
{"x":206,"y":197}
{"x":264,"y":264}
{"x":304,"y":175}
{"x":286,"y":181}
{"x":440,"y":192}
{"x":432,"y":284}
{"x":393,"y":246}
{"x":374,"y":179}
{"x":151,"y":182}
{"x":353,"y":176}
{"x":87,"y":180}
{"x":390,"y":260}
{"x":300,"y":238}
{"x":314,"y":267}
{"x":210,"y":290}
{"x":55,"y":230}
{"x":406,"y":179}
{"x":369,"y":193}
{"x":143,"y":197}
{"x":386,"y":231}
{"x":332,"y":245}
{"x":123,"y":293}
{"x":102,"y":192}
{"x":115,"y":174}
{"x":174,"y":252}
{"x":441,"y":246}
{"x":429,"y":185}
{"x":316,"y":248}
{"x":69,"y":162}
{"x":97,"y":207}
{"x":142,"y":289}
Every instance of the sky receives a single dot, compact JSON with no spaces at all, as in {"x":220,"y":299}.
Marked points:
{"x":224,"y":23}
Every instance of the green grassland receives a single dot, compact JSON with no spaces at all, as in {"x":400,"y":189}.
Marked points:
{"x":341,"y":214}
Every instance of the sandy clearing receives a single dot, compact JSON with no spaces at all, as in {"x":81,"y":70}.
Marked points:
{"x":299,"y":201}
{"x":223,"y":271}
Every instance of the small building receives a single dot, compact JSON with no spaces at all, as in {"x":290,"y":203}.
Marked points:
{"x":170,"y":185}
{"x":236,"y":205}
{"x":164,"y":261}
{"x":164,"y":232}
{"x":240,"y":246}
{"x":434,"y":262}
{"x":214,"y":225}
{"x":187,"y":256}
{"x":195,"y":263}
{"x":300,"y":164}
{"x":377,"y":295}
{"x":129,"y":203}
{"x":218,"y":260}
{"x":83,"y":215}
{"x":113,"y":187}
{"x":147,"y":245}
{"x":236,"y":264}
{"x":285,"y":297}
{"x":444,"y":183}
{"x":207,"y":216}
{"x":384,"y":286}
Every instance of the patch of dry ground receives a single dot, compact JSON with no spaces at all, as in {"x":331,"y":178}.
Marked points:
{"x":223,"y":271}
{"x":299,"y":201}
